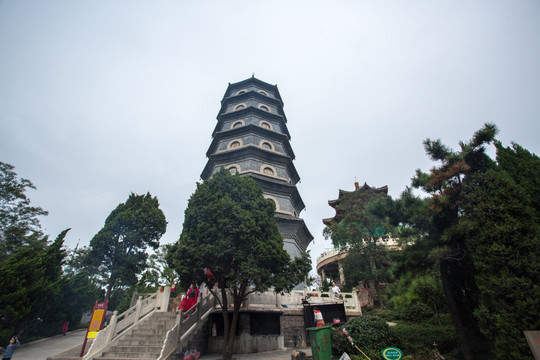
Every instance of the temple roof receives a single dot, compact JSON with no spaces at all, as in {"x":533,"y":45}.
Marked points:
{"x":253,"y":80}
{"x":358,"y":189}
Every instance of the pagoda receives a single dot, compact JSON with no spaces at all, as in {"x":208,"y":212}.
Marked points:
{"x":251,"y":139}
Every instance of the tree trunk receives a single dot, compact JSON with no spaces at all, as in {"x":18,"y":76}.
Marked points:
{"x":226,"y":325}
{"x":109,"y":288}
{"x":437,"y":312}
{"x":238,"y":297}
{"x":378,"y":289}
{"x":454,"y":311}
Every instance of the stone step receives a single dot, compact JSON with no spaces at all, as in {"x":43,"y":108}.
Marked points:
{"x":140,"y":334}
{"x":135,"y":348}
{"x":140,"y":341}
{"x":125,"y":358}
{"x":155,"y":326}
{"x":148,"y":332}
{"x":130,"y":355}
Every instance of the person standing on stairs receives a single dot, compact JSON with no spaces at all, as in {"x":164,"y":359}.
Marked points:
{"x":189,"y":299}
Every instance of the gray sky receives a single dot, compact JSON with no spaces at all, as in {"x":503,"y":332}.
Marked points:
{"x":102,"y":98}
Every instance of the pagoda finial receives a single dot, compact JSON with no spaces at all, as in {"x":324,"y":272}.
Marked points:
{"x":253,"y":75}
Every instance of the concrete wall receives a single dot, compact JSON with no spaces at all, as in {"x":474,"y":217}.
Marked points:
{"x":244,"y":342}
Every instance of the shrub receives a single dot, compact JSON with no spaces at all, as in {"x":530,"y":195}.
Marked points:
{"x":416,"y":312}
{"x":418,"y":339}
{"x":369,"y":333}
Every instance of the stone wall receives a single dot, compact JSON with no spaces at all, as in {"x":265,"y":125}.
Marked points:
{"x":293,"y":330}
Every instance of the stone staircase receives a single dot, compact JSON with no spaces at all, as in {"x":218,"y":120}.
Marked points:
{"x":145,"y":341}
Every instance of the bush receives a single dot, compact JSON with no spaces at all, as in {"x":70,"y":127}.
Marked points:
{"x":369,"y":333}
{"x":418,"y":339}
{"x":416,"y":312}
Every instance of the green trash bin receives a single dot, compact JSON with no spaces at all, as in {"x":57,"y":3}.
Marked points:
{"x":321,"y":346}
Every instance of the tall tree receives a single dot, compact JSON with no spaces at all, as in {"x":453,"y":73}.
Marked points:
{"x":365,"y":227}
{"x":158,"y":272}
{"x":31,"y":282}
{"x":502,"y":223}
{"x":118,"y":250}
{"x":445,"y":184}
{"x":19,"y":220}
{"x":230,"y":229}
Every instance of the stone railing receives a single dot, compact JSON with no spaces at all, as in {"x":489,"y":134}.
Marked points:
{"x":119,"y":324}
{"x":186,"y":323}
{"x":295,"y":298}
{"x":328,"y":253}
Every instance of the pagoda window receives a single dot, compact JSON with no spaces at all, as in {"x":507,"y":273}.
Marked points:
{"x":243,"y":91}
{"x":274,"y":200}
{"x":234,"y":144}
{"x":264,"y":107}
{"x":265,"y":125}
{"x":238,"y":124}
{"x":266,"y":145}
{"x":239,"y":107}
{"x":268,"y":171}
{"x":233,"y":170}
{"x":263,"y":93}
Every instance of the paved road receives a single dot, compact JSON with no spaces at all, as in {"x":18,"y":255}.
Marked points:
{"x":267,"y":355}
{"x":39,"y":350}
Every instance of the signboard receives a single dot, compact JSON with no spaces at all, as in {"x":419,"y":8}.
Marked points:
{"x":392,"y":353}
{"x":533,"y":338}
{"x":96,"y":322}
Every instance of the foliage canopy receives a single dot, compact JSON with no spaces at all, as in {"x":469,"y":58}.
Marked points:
{"x":118,"y":250}
{"x":230,"y":229}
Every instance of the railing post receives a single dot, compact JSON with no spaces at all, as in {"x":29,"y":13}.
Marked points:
{"x":162,"y":300}
{"x":356,"y":301}
{"x":179,"y":323}
{"x":278,"y":300}
{"x":112,"y":326}
{"x":138,"y":310}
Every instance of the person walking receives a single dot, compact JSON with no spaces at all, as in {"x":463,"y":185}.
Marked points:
{"x":65,"y":327}
{"x":336,"y":290}
{"x":8,"y":351}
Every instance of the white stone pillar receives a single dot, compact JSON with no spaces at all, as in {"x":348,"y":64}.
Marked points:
{"x":341,"y":274}
{"x":162,"y":301}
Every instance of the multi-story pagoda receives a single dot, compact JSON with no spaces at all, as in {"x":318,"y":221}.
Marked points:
{"x":251,"y":138}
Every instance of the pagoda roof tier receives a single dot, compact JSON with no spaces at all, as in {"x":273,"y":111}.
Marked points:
{"x":247,"y":152}
{"x":273,"y":186}
{"x":248,"y":111}
{"x":252,"y":129}
{"x":252,"y":95}
{"x":252,"y":81}
{"x":335,"y":203}
{"x":294,"y":228}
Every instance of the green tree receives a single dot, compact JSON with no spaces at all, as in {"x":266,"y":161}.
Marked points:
{"x":118,"y":250}
{"x":158,"y":272}
{"x":502,"y":223}
{"x":230,"y":228}
{"x":416,"y":293}
{"x":80,"y":287}
{"x":364,"y":225}
{"x":31,"y":282}
{"x":445,"y":184}
{"x":19,"y":222}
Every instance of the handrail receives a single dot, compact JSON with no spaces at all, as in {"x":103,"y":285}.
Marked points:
{"x":119,"y":324}
{"x":175,"y":337}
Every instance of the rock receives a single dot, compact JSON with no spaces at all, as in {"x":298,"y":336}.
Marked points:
{"x":298,"y":355}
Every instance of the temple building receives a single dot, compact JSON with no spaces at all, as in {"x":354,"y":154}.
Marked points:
{"x":251,"y":138}
{"x":328,"y":263}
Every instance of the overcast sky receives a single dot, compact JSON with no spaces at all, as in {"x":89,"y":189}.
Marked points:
{"x":99,"y":99}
